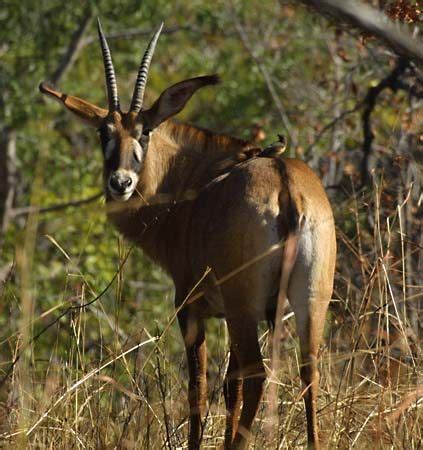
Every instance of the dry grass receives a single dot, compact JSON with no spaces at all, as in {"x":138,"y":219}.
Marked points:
{"x":132,"y":392}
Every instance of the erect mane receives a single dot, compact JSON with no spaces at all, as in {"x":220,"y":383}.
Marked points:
{"x":209,"y":142}
{"x":203,"y":155}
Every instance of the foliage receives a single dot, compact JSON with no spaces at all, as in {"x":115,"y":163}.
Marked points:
{"x":320,"y":73}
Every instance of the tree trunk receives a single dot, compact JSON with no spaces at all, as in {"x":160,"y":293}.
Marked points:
{"x":8,"y":177}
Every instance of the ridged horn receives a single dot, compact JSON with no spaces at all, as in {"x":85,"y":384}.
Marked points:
{"x":138,"y":96}
{"x":109,"y":71}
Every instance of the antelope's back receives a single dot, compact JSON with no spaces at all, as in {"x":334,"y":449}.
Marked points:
{"x":239,"y":222}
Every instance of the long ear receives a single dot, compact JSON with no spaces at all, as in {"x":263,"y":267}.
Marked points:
{"x":92,"y":115}
{"x":173,"y":100}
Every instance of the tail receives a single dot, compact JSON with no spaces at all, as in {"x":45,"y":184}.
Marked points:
{"x":289,"y":257}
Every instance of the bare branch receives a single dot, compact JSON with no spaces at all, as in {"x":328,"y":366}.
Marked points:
{"x":374,"y":22}
{"x":412,"y":90}
{"x":268,"y":81}
{"x":74,"y":48}
{"x":394,"y":82}
{"x":333,"y":123}
{"x":8,"y":177}
{"x":390,"y":81}
{"x":137,"y":32}
{"x":58,"y":207}
{"x":8,"y":162}
{"x":5,"y":273}
{"x":9,"y":370}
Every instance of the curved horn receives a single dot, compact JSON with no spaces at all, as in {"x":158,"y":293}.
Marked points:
{"x":138,"y":96}
{"x":109,"y":71}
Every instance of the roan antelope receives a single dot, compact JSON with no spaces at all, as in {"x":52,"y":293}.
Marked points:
{"x":193,"y":200}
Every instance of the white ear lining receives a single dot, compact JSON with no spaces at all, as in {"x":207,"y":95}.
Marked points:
{"x":138,"y":150}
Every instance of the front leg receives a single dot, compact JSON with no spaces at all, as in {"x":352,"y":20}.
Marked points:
{"x":192,"y":328}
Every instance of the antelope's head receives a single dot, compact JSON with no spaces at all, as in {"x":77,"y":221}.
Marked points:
{"x":125,"y":135}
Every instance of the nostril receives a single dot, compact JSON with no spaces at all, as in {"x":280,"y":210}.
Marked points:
{"x":115,"y":183}
{"x":120,"y":184}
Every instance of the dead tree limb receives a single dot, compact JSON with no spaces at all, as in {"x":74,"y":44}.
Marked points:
{"x":372,"y":21}
{"x":8,"y":135}
{"x":391,"y":82}
{"x":8,"y":177}
{"x":333,"y":123}
{"x":132,"y":33}
{"x":267,"y":79}
{"x":53,"y":208}
{"x":75,"y":46}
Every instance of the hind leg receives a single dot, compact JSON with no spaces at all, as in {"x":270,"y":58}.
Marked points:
{"x":309,"y":292}
{"x":310,"y":333}
{"x":232,"y":390}
{"x":310,"y":313}
{"x":244,"y":341}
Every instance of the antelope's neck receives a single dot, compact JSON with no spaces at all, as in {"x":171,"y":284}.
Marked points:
{"x":182,"y":157}
{"x":180,"y":160}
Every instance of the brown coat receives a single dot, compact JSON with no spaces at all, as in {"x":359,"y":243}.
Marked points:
{"x":239,"y":232}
